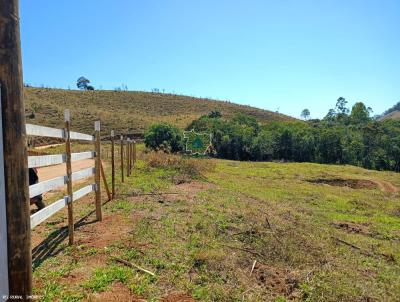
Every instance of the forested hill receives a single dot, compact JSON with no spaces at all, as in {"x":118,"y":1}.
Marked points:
{"x":127,"y":111}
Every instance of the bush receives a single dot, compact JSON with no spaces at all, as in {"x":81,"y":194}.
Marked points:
{"x":164,"y":137}
{"x":186,"y":168}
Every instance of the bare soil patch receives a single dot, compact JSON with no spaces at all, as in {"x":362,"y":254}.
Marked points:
{"x":118,"y":292}
{"x":351,"y":227}
{"x":350,"y":183}
{"x":178,"y":297}
{"x":281,"y":281}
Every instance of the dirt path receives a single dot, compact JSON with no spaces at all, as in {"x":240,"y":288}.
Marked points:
{"x":47,"y":173}
{"x":47,"y":146}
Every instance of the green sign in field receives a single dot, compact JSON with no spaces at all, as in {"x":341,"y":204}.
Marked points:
{"x":197,"y":143}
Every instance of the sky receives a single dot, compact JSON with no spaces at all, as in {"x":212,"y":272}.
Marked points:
{"x":282,"y":55}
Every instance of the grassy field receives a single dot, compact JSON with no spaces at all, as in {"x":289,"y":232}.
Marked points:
{"x":229,"y":231}
{"x":123,"y":111}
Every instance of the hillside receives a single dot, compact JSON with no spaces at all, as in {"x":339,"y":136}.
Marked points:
{"x":126,"y":111}
{"x":394,"y":115}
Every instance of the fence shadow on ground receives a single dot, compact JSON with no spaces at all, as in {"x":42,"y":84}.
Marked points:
{"x":52,"y":246}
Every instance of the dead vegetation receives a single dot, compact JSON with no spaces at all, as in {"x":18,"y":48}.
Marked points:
{"x":350,"y":183}
{"x":126,"y":111}
{"x":188,"y":168}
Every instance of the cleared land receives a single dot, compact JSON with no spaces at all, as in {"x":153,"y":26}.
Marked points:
{"x":125,"y":111}
{"x":395,"y":115}
{"x":237,"y":232}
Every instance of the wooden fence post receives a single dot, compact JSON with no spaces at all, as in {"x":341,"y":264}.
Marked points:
{"x":98,"y":171}
{"x":112,"y":165}
{"x":122,"y":158}
{"x":128,"y":157}
{"x":67,"y":118}
{"x":15,"y":231}
{"x":134,"y":153}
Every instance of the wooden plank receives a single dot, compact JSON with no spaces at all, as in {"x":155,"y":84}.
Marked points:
{"x":83,"y":173}
{"x":53,"y":208}
{"x":45,"y":186}
{"x":84,"y":191}
{"x":81,"y":136}
{"x":45,"y":160}
{"x":82,"y":155}
{"x":48,"y":211}
{"x":38,"y":161}
{"x":36,"y":130}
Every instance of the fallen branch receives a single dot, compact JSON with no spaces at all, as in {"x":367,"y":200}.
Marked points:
{"x":352,"y":246}
{"x":132,"y":265}
{"x":364,"y":252}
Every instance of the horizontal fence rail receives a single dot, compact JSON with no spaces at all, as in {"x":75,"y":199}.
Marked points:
{"x":47,"y":185}
{"x":50,"y":210}
{"x":83,"y":173}
{"x":54,"y":183}
{"x":81,"y":136}
{"x":36,"y":130}
{"x":38,"y":161}
{"x":45,"y":160}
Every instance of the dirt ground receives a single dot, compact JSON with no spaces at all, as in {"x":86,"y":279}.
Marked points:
{"x":50,"y":172}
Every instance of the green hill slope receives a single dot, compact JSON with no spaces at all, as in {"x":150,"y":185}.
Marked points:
{"x":126,"y":111}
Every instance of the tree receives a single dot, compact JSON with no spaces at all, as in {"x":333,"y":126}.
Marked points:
{"x":83,"y":83}
{"x":305,"y":114}
{"x":341,"y":104}
{"x":164,"y":137}
{"x":360,"y":113}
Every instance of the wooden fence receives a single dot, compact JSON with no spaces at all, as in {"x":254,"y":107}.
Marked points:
{"x":15,"y":218}
{"x":70,"y":177}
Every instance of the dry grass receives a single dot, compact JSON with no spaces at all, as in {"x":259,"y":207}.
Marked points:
{"x":126,"y":111}
{"x":188,"y":168}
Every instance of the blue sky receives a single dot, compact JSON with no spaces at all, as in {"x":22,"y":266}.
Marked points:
{"x":282,"y":54}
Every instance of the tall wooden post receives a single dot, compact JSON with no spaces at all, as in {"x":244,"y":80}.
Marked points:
{"x":112,"y":165}
{"x":122,"y":158}
{"x":127,"y":157}
{"x":15,"y":231}
{"x":131,"y":156}
{"x":67,"y":118}
{"x":98,"y":170}
{"x":134,"y":153}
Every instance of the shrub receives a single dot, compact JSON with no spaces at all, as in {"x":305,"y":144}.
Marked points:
{"x":164,"y":137}
{"x":189,"y":168}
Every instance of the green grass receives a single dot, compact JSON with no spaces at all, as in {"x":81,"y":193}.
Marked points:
{"x":126,"y":112}
{"x":204,"y":243}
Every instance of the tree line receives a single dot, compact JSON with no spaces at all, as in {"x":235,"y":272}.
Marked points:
{"x":343,"y":136}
